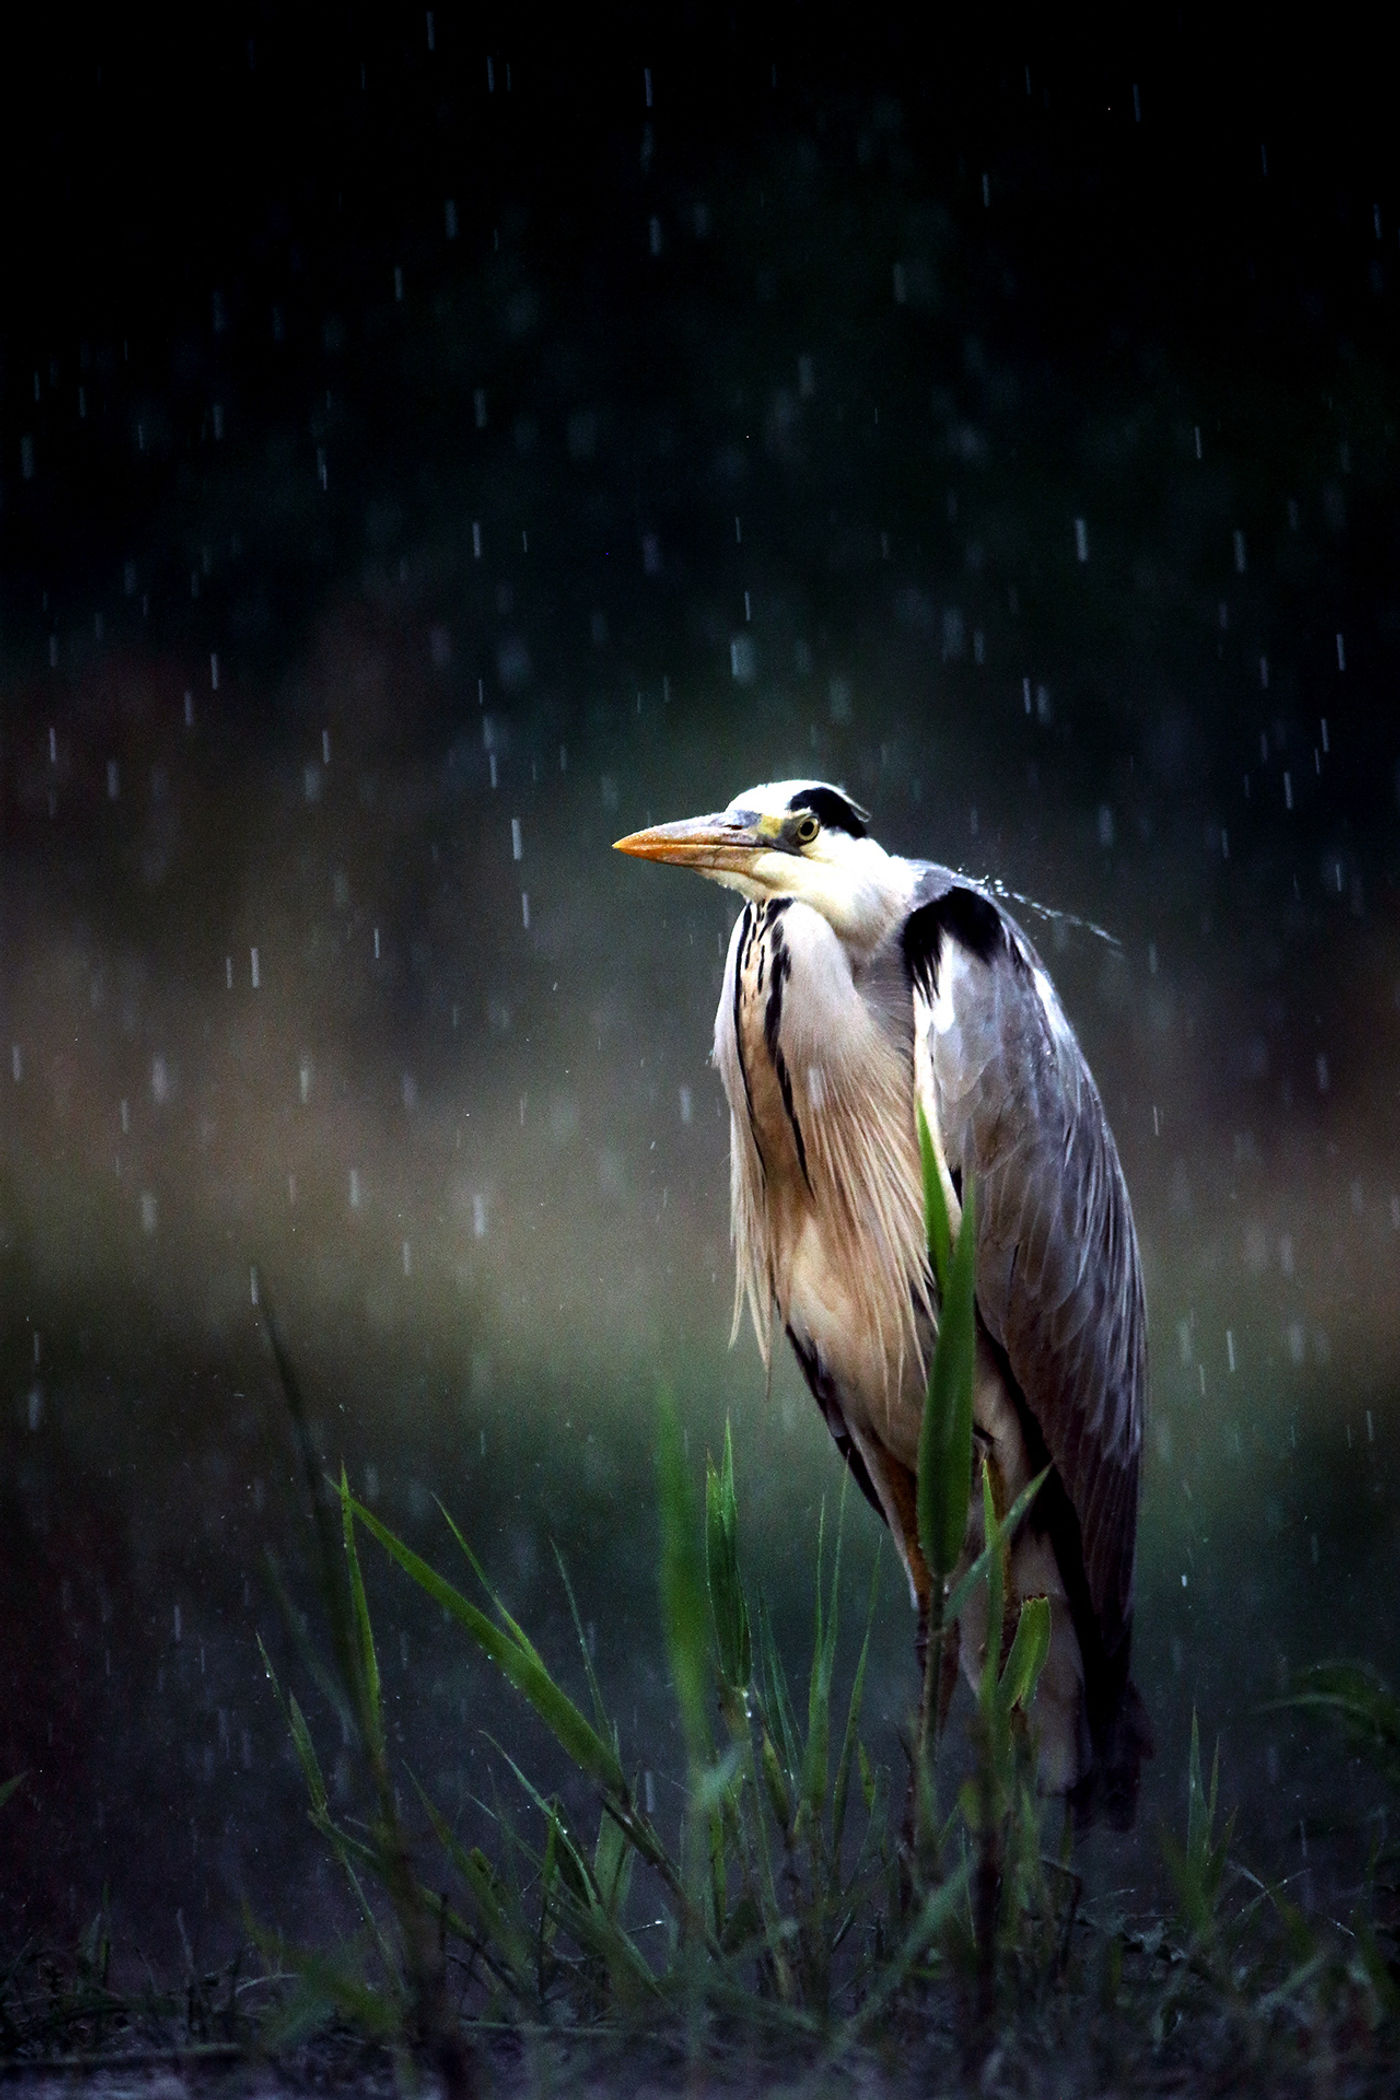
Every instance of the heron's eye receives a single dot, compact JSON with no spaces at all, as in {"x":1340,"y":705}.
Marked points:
{"x":807,"y":829}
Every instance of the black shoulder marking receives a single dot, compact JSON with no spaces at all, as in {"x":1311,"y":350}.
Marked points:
{"x":971,"y":919}
{"x":833,"y":810}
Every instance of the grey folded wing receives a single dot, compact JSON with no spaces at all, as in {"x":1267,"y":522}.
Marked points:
{"x":1059,"y":1283}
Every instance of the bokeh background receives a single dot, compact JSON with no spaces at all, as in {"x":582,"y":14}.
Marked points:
{"x":432,"y":444}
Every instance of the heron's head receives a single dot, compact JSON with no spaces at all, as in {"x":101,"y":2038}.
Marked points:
{"x":791,"y":838}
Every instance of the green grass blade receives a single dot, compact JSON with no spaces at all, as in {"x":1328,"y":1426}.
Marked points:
{"x":936,"y":1223}
{"x":505,"y":1949}
{"x":816,"y":1757}
{"x":852,"y":1734}
{"x":945,"y":1434}
{"x":997,"y":1539}
{"x":728,"y":1606}
{"x":779,"y":1719}
{"x":605,"y":1724}
{"x":514,"y":1658}
{"x":684,"y":1606}
{"x":1029,"y":1650}
{"x":367,"y":1662}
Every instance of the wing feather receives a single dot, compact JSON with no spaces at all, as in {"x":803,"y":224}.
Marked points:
{"x":1059,"y":1283}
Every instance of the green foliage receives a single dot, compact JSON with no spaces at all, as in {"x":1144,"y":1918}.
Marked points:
{"x":1358,"y":1697}
{"x":1197,"y":1868}
{"x":945,"y":1436}
{"x":786,"y":1896}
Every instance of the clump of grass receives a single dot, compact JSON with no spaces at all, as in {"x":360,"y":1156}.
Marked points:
{"x":786,"y":1896}
{"x":791,"y":1899}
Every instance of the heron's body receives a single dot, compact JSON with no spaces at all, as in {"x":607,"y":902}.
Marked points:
{"x":858,"y":984}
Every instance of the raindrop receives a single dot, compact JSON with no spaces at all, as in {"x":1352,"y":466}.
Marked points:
{"x":148,"y":1212}
{"x":1341,"y":653}
{"x":685,"y":1104}
{"x":376,"y":944}
{"x":1264,"y":672}
{"x":1081,"y":539}
{"x":1325,"y":745}
{"x":189,"y":710}
{"x":113,"y":780}
{"x":17,"y":1062}
{"x":254,"y":954}
{"x":516,"y":843}
{"x":1198,"y":441}
{"x":1230,"y":1348}
{"x":646,"y":84}
{"x":354,"y":1188}
{"x":525,"y":909}
{"x":1288,"y":791}
{"x":407,"y":1259}
{"x":252,"y":1283}
{"x":1239,"y":553}
{"x":214,"y":670}
{"x":479,"y":1217}
{"x":476,"y":539}
{"x":449,"y":214}
{"x":160,"y":1080}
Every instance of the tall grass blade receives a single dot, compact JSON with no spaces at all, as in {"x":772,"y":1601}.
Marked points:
{"x":1029,"y":1650}
{"x":936,"y":1223}
{"x":366,"y":1679}
{"x":514,"y":1657}
{"x":728,"y":1606}
{"x":998,"y":1538}
{"x":684,"y":1609}
{"x":945,"y":1434}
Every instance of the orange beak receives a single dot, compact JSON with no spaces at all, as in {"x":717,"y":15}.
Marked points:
{"x":711,"y":844}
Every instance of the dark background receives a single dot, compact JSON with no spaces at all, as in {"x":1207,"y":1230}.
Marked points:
{"x":414,"y":426}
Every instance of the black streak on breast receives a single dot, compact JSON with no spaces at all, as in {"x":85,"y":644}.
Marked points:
{"x":824,"y":1393}
{"x":779,"y":971}
{"x":749,"y":926}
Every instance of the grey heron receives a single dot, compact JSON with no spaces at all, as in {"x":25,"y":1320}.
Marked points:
{"x":857,"y":984}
